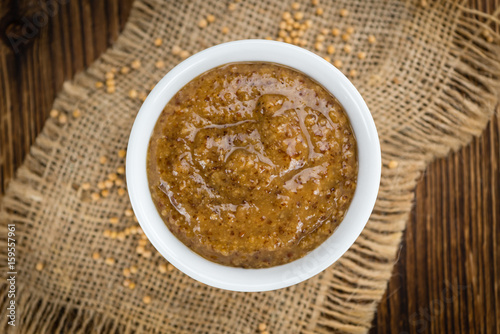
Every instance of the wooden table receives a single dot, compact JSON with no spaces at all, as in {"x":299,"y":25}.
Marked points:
{"x":447,"y":278}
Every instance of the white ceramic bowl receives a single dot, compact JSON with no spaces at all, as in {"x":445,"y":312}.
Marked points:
{"x":326,"y":254}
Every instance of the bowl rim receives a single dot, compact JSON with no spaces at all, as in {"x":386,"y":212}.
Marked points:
{"x":240,"y":279}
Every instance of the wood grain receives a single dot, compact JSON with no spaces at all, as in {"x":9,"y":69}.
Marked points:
{"x":448,"y":274}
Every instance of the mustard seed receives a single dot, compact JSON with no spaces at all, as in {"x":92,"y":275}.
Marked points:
{"x":335,"y":32}
{"x":231,"y":6}
{"x":146,"y":299}
{"x":103,"y":159}
{"x":39,"y":266}
{"x":371,"y":39}
{"x":347,"y":48}
{"x":170,"y":267}
{"x":86,"y":186}
{"x":109,"y":75}
{"x":158,"y":42}
{"x":109,"y":261}
{"x":353,"y":73}
{"x":295,"y":5}
{"x":76,"y":113}
{"x":135,"y":64}
{"x":126,"y":283}
{"x":349,"y":30}
{"x":122,"y":153}
{"x":225,"y":30}
{"x":129,"y":212}
{"x":184,"y":54}
{"x":286,"y":16}
{"x":393,"y":164}
{"x":121,"y":192}
{"x":162,"y":268}
{"x":96,"y":256}
{"x":210,"y":18}
{"x":202,"y":23}
{"x":133,"y":269}
{"x":110,"y":89}
{"x":318,"y":46}
{"x":319,"y":11}
{"x":113,"y":220}
{"x":125,"y":70}
{"x":314,"y":2}
{"x":337,"y":63}
{"x":361,"y":55}
{"x":298,"y":16}
{"x":330,"y":49}
{"x":62,"y":118}
{"x":343,"y":12}
{"x":262,"y":327}
{"x":328,"y":59}
{"x":131,"y":286}
{"x":320,"y":38}
{"x":345,"y":37}
{"x":95,"y":196}
{"x":112,"y":176}
{"x":160,"y":64}
{"x":108,"y":184}
{"x":126,"y":272}
{"x":99,"y":84}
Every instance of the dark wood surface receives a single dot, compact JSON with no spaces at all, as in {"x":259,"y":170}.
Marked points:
{"x":447,"y":278}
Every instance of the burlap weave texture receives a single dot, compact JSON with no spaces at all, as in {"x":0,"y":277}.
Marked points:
{"x":431,"y":80}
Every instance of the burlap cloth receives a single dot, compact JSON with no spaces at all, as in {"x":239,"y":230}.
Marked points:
{"x":431,"y":80}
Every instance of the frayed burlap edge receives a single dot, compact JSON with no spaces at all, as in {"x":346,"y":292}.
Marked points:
{"x":467,"y":99}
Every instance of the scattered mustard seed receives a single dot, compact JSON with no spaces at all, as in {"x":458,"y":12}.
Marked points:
{"x":129,"y":212}
{"x":108,"y":184}
{"x":139,"y":249}
{"x":160,"y":64}
{"x":120,"y":170}
{"x":202,"y":23}
{"x":122,"y":153}
{"x":109,"y":261}
{"x":396,"y":80}
{"x":328,"y":59}
{"x":121,"y":192}
{"x":295,"y":5}
{"x":337,"y":63}
{"x":286,"y":16}
{"x":105,"y":193}
{"x":346,"y":37}
{"x":95,"y":196}
{"x":353,"y":73}
{"x":131,"y":286}
{"x":126,"y":272}
{"x":423,"y":3}
{"x":103,"y":159}
{"x":319,"y":11}
{"x":99,"y":84}
{"x":393,"y":164}
{"x":314,"y":2}
{"x":96,"y":256}
{"x":320,"y":38}
{"x":86,"y":186}
{"x":349,"y":30}
{"x":158,"y":42}
{"x":318,"y":46}
{"x":264,"y":332}
{"x":343,"y":12}
{"x":170,"y":267}
{"x":126,"y":283}
{"x":262,"y":327}
{"x":110,"y":89}
{"x":210,"y":18}
{"x":39,"y":266}
{"x":184,"y":54}
{"x":298,"y":16}
{"x":176,"y":50}
{"x":347,"y":48}
{"x":112,"y":176}
{"x":371,"y":39}
{"x":62,"y":118}
{"x":146,"y":299}
{"x":106,"y":233}
{"x":125,"y":70}
{"x":330,"y":49}
{"x":335,"y":32}
{"x":224,"y":30}
{"x":231,"y":6}
{"x":76,"y":113}
{"x":133,"y":269}
{"x":101,"y":185}
{"x":361,"y":55}
{"x":113,"y":220}
{"x":135,"y":64}
{"x":162,"y":268}
{"x":109,"y":75}
{"x":119,"y":182}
